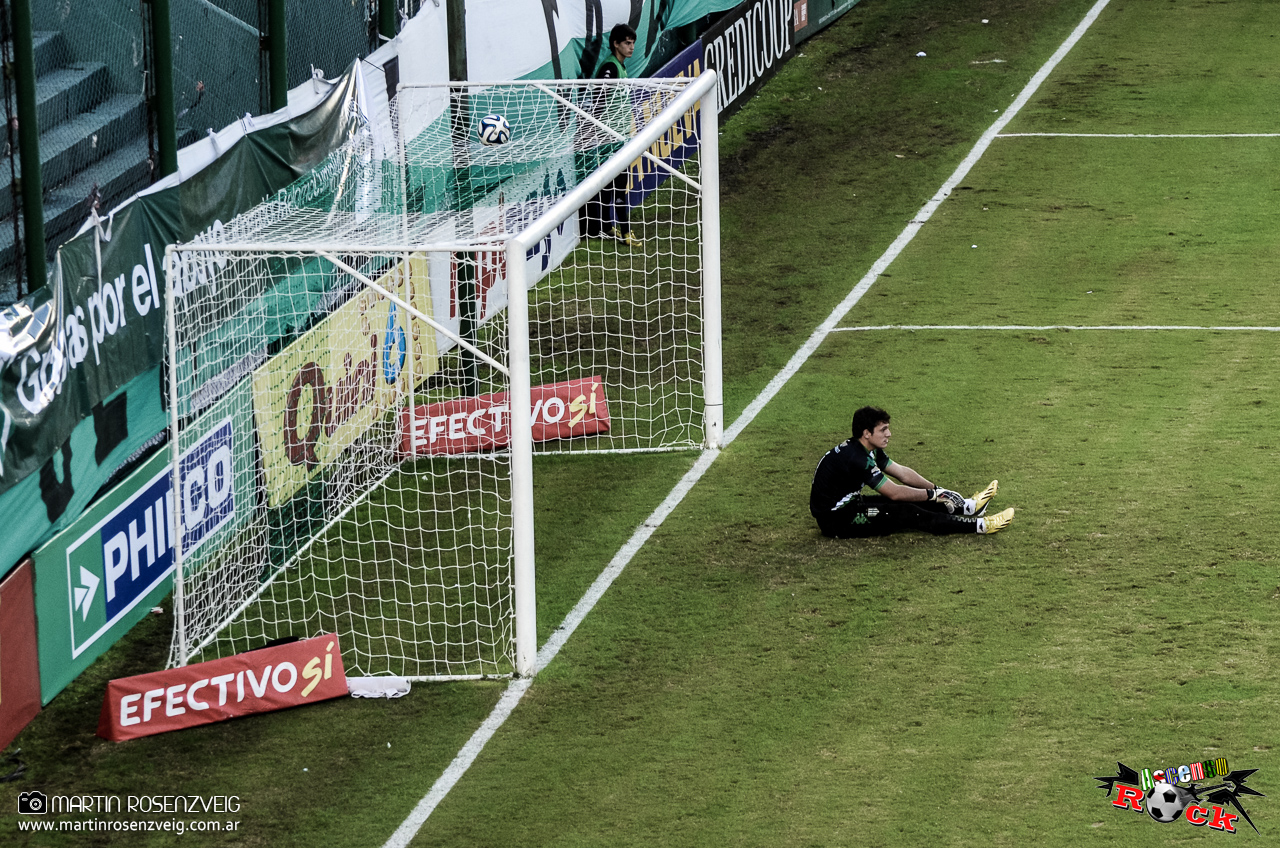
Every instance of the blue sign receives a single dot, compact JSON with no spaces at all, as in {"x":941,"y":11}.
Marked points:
{"x":679,"y":142}
{"x":208,"y":501}
{"x":137,"y":546}
{"x":128,"y":554}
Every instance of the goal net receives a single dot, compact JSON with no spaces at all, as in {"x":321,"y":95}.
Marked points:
{"x":361,"y":370}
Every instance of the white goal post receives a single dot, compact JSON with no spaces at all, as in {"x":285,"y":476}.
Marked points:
{"x":361,"y":370}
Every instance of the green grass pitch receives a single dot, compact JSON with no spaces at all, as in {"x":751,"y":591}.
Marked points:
{"x":746,"y":682}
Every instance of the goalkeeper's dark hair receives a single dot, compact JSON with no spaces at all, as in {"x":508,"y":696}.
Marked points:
{"x":868,"y":418}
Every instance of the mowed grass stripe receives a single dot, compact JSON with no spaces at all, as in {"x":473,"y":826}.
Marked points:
{"x":680,"y":748}
{"x":1136,"y":135}
{"x":418,"y":817}
{"x":1189,"y":66}
{"x":1124,"y":577}
{"x":1106,"y":232}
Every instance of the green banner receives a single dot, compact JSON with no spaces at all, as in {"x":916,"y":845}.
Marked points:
{"x":115,"y":430}
{"x":659,"y":30}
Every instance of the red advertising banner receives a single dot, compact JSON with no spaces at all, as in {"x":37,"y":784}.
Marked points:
{"x":465,"y":425}
{"x":19,"y":659}
{"x":258,"y":681}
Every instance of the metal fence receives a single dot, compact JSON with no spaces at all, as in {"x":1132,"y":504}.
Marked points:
{"x":94,"y":81}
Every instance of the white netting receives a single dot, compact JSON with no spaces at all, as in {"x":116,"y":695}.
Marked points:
{"x":422,"y":175}
{"x":627,"y":315}
{"x":341,"y":375}
{"x":315,"y":521}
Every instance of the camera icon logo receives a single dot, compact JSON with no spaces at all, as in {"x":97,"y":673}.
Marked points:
{"x":33,"y":803}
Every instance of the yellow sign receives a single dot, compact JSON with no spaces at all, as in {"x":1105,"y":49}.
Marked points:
{"x":315,"y":398}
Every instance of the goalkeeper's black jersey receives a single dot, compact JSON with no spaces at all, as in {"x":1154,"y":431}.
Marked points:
{"x":842,"y":473}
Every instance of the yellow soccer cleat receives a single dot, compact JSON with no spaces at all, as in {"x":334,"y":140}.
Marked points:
{"x":981,"y":498}
{"x":995,"y":523}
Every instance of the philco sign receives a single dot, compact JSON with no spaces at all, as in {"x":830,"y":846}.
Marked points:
{"x":126,"y":555}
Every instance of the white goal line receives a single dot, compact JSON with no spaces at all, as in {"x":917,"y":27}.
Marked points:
{"x":1082,"y":327}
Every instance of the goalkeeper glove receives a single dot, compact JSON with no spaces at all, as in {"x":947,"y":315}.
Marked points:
{"x":953,"y":501}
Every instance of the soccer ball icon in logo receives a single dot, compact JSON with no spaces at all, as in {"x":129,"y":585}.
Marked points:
{"x":493,"y":130}
{"x":1165,"y":802}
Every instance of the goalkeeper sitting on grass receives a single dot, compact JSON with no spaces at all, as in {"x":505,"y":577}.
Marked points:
{"x":910,"y":503}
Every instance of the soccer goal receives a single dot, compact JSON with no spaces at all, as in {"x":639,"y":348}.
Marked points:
{"x":361,"y":371}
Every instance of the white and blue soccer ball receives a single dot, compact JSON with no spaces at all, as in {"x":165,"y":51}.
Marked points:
{"x":493,"y":130}
{"x":1165,"y":802}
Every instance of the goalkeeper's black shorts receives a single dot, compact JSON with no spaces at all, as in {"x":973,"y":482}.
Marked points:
{"x":876,"y":515}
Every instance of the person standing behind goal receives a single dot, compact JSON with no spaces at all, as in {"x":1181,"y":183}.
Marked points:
{"x":904,"y":500}
{"x":607,"y":213}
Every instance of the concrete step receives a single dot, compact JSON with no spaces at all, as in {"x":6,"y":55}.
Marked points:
{"x":81,"y":141}
{"x":88,"y":137}
{"x":117,"y":176}
{"x":63,"y":93}
{"x":51,"y":51}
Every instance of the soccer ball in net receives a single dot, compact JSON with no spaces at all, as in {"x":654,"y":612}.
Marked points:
{"x":1165,"y":802}
{"x":493,"y":129}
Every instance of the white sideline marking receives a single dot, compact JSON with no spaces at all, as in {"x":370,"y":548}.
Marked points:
{"x":516,"y":689}
{"x":1138,"y":135}
{"x":1048,"y":327}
